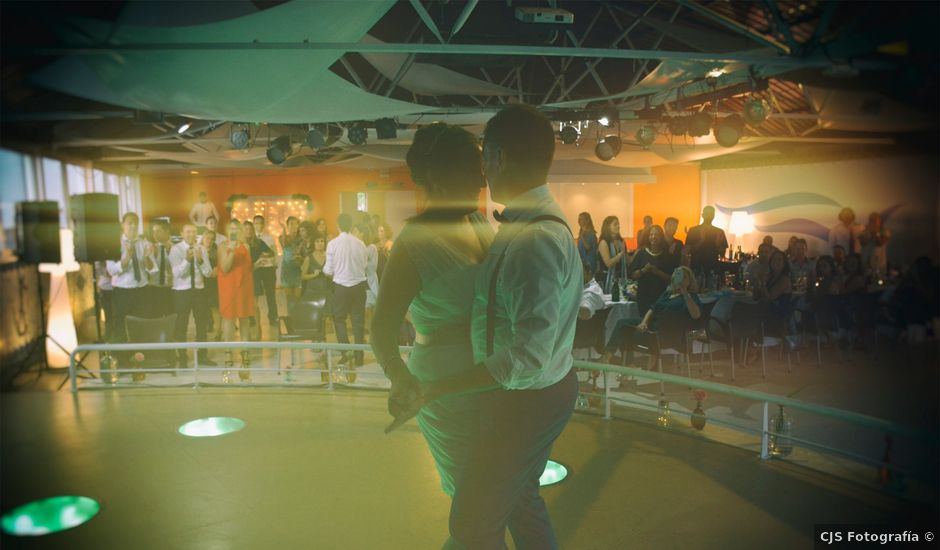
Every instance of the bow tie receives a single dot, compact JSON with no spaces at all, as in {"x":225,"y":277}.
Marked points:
{"x":499,"y":217}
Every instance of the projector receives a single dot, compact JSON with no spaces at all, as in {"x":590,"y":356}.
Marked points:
{"x":544,"y":15}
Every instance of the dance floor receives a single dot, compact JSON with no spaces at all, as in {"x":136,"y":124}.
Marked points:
{"x":312,"y":469}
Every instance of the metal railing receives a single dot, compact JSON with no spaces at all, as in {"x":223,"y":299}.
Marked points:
{"x":766,"y":399}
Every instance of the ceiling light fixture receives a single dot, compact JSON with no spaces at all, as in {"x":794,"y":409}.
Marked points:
{"x":678,"y":125}
{"x":646,"y":136}
{"x":756,"y":111}
{"x":386,"y":128}
{"x":729,"y":130}
{"x":608,"y":148}
{"x":357,"y":135}
{"x":279,"y":150}
{"x":240,"y":137}
{"x":569,"y":135}
{"x":184,"y":127}
{"x":700,"y":124}
{"x":315,"y":139}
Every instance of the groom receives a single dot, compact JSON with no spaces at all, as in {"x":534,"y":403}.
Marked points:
{"x":524,"y":317}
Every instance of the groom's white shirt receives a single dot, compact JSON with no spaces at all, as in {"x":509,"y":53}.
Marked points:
{"x":538,"y":293}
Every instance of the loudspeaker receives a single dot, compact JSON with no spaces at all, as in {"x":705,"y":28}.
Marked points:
{"x":97,"y":229}
{"x":37,"y":232}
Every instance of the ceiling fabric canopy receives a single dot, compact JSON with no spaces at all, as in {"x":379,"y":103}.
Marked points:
{"x":428,"y":79}
{"x":246,"y":86}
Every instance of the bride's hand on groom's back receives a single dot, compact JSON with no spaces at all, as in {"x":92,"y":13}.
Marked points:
{"x":405,"y":396}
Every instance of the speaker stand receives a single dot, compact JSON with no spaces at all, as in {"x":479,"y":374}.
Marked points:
{"x":45,"y":336}
{"x":80,"y":362}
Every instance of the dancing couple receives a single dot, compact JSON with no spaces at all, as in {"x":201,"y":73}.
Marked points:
{"x":490,"y":380}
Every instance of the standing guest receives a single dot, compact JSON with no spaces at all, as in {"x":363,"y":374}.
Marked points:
{"x":705,"y":243}
{"x":791,"y":246}
{"x":768,"y":239}
{"x":316,"y":283}
{"x":874,"y":246}
{"x":211,"y":250}
{"x":212,"y":224}
{"x":236,"y":291}
{"x":652,"y":268}
{"x":587,"y":241}
{"x":105,"y":290}
{"x":322,"y":229}
{"x":191,"y":267}
{"x":641,"y":235}
{"x":161,"y":274}
{"x":129,"y":275}
{"x":265,"y":270}
{"x":838,"y":256}
{"x":845,"y":233}
{"x":362,"y":231}
{"x":374,"y":222}
{"x":202,"y":211}
{"x":293,"y":242}
{"x":346,"y":258}
{"x":383,"y":243}
{"x":674,"y":246}
{"x":802,"y":269}
{"x":613,"y":254}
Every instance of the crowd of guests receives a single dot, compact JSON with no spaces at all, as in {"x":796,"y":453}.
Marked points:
{"x":785,"y":280}
{"x":219,"y":278}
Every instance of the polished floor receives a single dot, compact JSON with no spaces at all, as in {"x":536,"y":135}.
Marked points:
{"x":312,"y":469}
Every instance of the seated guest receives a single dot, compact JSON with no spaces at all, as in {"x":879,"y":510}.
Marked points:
{"x":592,"y":298}
{"x":652,"y":267}
{"x":191,"y":267}
{"x":801,"y":267}
{"x":854,"y":276}
{"x":680,"y":295}
{"x":775,"y":290}
{"x":759,"y":268}
{"x":613,"y":253}
{"x":129,"y":275}
{"x":161,"y":275}
{"x":674,"y":246}
{"x":828,"y":279}
{"x":916,"y":299}
{"x":587,"y":241}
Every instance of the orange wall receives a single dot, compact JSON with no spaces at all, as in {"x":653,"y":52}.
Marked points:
{"x":676,"y":193}
{"x":174,"y":193}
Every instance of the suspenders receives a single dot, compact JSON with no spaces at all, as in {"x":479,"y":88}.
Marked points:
{"x":491,"y":300}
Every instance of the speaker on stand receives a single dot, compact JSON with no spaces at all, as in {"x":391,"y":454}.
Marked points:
{"x":37,"y":241}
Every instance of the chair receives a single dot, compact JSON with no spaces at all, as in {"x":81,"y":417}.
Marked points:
{"x":306,"y":322}
{"x":821,"y":319}
{"x":589,"y":333}
{"x":671,"y":337}
{"x":754,"y":322}
{"x":160,"y":329}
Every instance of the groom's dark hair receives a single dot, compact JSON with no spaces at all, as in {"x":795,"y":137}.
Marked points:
{"x":527,"y":137}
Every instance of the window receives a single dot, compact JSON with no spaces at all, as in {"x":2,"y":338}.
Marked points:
{"x":53,"y":187}
{"x":75,"y":175}
{"x":362,"y":202}
{"x":14,"y":185}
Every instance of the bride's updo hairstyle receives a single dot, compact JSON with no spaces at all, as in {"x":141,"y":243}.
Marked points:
{"x":447,"y":161}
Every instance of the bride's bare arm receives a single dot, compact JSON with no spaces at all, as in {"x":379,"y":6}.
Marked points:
{"x":400,"y":284}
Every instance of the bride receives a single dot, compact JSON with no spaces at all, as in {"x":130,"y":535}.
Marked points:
{"x":430,"y":274}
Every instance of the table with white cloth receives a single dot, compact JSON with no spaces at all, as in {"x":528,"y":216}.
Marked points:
{"x":624,"y":309}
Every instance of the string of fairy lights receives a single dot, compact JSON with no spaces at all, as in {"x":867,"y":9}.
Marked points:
{"x":275,"y":209}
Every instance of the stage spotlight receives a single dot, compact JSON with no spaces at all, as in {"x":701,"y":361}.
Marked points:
{"x":646,"y":136}
{"x":609,"y":117}
{"x":569,"y":135}
{"x":211,"y":426}
{"x":315,"y":139}
{"x":729,"y":130}
{"x":756,"y":111}
{"x":700,"y":124}
{"x":279,"y":150}
{"x":240,"y":137}
{"x":49,"y":515}
{"x":357,"y":135}
{"x":608,"y":148}
{"x":678,"y":125}
{"x":184,"y":127}
{"x":386,"y":128}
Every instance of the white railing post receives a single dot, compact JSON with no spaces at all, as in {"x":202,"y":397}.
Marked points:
{"x":196,"y":369}
{"x":329,"y":369}
{"x":764,"y":434}
{"x":606,"y":396}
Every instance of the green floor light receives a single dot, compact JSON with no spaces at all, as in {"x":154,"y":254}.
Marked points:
{"x":49,"y":515}
{"x":554,"y":473}
{"x":211,"y":426}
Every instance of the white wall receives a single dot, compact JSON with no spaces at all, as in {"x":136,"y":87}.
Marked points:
{"x":600,"y":199}
{"x":865,"y":185}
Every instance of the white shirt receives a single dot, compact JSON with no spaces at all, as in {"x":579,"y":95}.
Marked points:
{"x":154,"y":273}
{"x":346,"y":260}
{"x":842,"y":236}
{"x":592,"y":298}
{"x":104,"y":278}
{"x":181,"y":268}
{"x":200,"y":212}
{"x":123,"y":277}
{"x":538,"y":293}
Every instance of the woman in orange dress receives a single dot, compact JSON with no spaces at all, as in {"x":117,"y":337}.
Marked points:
{"x":236,"y":291}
